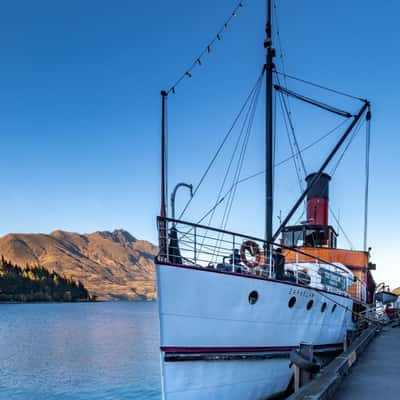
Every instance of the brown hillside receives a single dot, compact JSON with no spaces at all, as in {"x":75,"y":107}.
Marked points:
{"x":112,"y":265}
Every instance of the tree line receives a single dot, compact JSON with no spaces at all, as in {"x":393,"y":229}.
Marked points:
{"x":37,"y":284}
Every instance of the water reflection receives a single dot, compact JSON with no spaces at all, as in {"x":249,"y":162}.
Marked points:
{"x":79,"y":351}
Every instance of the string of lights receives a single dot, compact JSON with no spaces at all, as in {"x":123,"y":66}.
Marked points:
{"x":207,"y":50}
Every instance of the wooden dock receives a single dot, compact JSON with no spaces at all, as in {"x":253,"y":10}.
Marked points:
{"x":368,"y":369}
{"x":376,"y":373}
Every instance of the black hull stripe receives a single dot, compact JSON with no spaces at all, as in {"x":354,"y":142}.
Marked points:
{"x":238,"y":354}
{"x":197,"y":350}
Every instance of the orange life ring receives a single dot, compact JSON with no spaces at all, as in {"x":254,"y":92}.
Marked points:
{"x":253,"y":249}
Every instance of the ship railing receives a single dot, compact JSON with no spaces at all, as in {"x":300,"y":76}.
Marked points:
{"x":190,"y":244}
{"x":375,"y":313}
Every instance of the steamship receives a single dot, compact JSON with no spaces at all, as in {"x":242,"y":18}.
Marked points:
{"x":233,"y":306}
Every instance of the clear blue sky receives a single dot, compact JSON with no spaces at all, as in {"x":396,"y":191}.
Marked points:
{"x":79,"y":109}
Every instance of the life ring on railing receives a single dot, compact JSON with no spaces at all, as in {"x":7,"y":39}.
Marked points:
{"x":250,"y":248}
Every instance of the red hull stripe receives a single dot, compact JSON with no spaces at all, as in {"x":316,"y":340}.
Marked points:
{"x":192,"y":350}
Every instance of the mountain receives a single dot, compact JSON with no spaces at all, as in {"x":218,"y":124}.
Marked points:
{"x":111,"y":265}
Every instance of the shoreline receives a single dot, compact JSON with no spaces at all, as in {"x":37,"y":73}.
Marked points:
{"x":78,"y":301}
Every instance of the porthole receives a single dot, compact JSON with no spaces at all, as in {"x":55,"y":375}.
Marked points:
{"x":292,"y":302}
{"x":310,"y":304}
{"x":253,"y":297}
{"x":334,"y":308}
{"x":323,"y":307}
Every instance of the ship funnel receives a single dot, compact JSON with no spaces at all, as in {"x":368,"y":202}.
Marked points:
{"x":318,"y":199}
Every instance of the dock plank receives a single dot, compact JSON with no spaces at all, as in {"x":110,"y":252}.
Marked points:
{"x":376,"y":373}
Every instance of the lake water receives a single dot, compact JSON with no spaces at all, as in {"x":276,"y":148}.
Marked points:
{"x":102,"y":351}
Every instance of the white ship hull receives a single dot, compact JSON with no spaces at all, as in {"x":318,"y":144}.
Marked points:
{"x":215,"y":344}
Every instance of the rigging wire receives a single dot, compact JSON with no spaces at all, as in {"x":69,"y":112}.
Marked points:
{"x":286,"y":105}
{"x":333,"y":153}
{"x":356,"y":130}
{"x":213,"y":159}
{"x":341,"y":228}
{"x":281,"y":56}
{"x":312,"y":144}
{"x":347,"y":309}
{"x":354,"y":134}
{"x":243,"y":152}
{"x":231,"y":196}
{"x":207,"y":50}
{"x":290,"y":144}
{"x":222,"y":199}
{"x":230,"y":163}
{"x":296,"y":143}
{"x":320,"y":86}
{"x":301,"y":182}
{"x":255,"y":94}
{"x":314,"y":102}
{"x":287,"y":102}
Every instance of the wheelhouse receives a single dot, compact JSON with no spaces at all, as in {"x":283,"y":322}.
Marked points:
{"x":309,"y":236}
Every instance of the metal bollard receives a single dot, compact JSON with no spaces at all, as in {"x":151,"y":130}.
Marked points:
{"x":305,"y":364}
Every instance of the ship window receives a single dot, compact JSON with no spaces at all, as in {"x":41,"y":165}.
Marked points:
{"x":292,"y":302}
{"x":334,"y":308}
{"x":288,"y":239}
{"x":253,"y":297}
{"x":323,"y":307}
{"x":310,"y":304}
{"x":298,"y":238}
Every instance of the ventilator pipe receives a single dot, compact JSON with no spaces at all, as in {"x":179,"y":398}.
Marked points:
{"x":173,"y":194}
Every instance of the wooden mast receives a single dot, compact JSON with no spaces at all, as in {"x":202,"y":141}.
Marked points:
{"x":163,"y":211}
{"x":269,"y":127}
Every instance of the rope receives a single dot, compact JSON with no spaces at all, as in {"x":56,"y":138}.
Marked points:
{"x":255,"y":94}
{"x":354,"y":134}
{"x":239,"y":166}
{"x":222,"y":143}
{"x":303,"y":166}
{"x":347,"y":309}
{"x":237,"y":144}
{"x":301,"y":151}
{"x":281,"y":51}
{"x":320,"y":86}
{"x":341,"y":228}
{"x":243,"y":152}
{"x":222,"y":199}
{"x":207,"y":50}
{"x":300,"y":181}
{"x":332,"y":174}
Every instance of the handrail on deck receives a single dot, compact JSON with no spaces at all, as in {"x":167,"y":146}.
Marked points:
{"x":266,"y":242}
